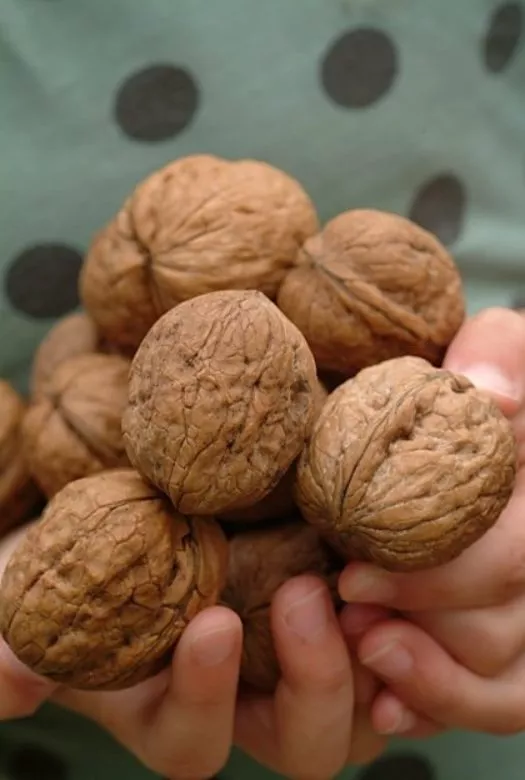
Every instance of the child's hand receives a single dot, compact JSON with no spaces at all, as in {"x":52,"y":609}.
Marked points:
{"x":21,"y":691}
{"x":456,"y":656}
{"x":182,"y":723}
{"x":310,"y":728}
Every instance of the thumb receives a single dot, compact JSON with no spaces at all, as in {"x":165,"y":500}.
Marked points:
{"x":490,"y":351}
{"x":21,"y":690}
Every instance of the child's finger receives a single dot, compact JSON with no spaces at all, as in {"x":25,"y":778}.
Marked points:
{"x":429,"y":681}
{"x":21,"y":691}
{"x":367,"y":744}
{"x":314,"y":701}
{"x":366,"y":685}
{"x":486,"y":641}
{"x":191,"y":734}
{"x":180,"y":723}
{"x":357,"y":619}
{"x":390,"y":717}
{"x":490,"y":350}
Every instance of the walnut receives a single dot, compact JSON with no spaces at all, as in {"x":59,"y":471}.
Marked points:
{"x":407,"y":465}
{"x":19,"y":495}
{"x":199,"y":224}
{"x":260,"y":561}
{"x":370,"y":287}
{"x":221,"y":399}
{"x":279,"y":502}
{"x":99,"y":591}
{"x":73,"y":335}
{"x":75,"y":429}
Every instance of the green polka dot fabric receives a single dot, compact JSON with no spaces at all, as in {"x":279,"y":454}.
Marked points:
{"x":417,"y":108}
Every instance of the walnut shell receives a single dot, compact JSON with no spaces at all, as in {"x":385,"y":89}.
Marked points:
{"x":370,"y":287}
{"x":260,"y":561}
{"x":279,"y":502}
{"x":199,"y":224}
{"x":221,"y":399}
{"x":74,"y":430}
{"x":407,"y":465}
{"x":73,"y":335}
{"x":19,"y":496}
{"x":101,"y":588}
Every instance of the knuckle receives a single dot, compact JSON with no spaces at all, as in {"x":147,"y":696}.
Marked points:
{"x":442,"y":697}
{"x":330,"y":678}
{"x":491,"y":653}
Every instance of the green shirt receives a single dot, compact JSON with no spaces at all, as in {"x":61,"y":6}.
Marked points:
{"x":409,"y":106}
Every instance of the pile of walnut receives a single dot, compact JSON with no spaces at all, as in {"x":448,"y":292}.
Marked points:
{"x":245,"y":396}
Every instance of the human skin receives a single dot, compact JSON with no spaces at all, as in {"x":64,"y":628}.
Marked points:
{"x":163,"y":721}
{"x":454,"y":655}
{"x":444,"y":677}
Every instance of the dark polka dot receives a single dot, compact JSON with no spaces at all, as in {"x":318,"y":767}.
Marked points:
{"x":42,"y":281}
{"x":439,"y":206}
{"x":156,"y":103}
{"x":31,"y":762}
{"x":399,"y":767}
{"x":503,"y":36}
{"x":359,"y":68}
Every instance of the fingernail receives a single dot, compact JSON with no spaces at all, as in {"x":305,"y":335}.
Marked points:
{"x":213,"y":647}
{"x":367,"y":586}
{"x":392,"y":661}
{"x":308,"y":616}
{"x":401,"y":723}
{"x":487,"y":377}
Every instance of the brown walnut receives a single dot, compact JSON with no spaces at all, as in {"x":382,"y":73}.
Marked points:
{"x":373,"y":286}
{"x":407,"y":465}
{"x":73,"y":335}
{"x":279,"y":502}
{"x":19,"y":495}
{"x":221,"y":399}
{"x":74,"y":430}
{"x":260,"y":561}
{"x":100,"y":589}
{"x":199,"y":224}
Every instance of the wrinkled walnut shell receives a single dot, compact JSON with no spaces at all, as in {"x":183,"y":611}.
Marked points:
{"x":407,"y":465}
{"x":100,"y":589}
{"x":280,"y":502}
{"x":71,"y":336}
{"x":221,"y":400}
{"x":260,"y":561}
{"x":74,"y":430}
{"x":370,"y":287}
{"x":199,"y":224}
{"x":19,"y":496}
